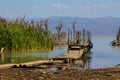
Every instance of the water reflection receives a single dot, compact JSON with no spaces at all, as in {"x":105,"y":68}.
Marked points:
{"x":103,"y":54}
{"x":87,"y":60}
{"x":5,"y":59}
{"x":83,"y":63}
{"x":32,"y":56}
{"x":116,"y":48}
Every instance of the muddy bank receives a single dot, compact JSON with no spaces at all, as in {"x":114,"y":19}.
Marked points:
{"x":67,"y":74}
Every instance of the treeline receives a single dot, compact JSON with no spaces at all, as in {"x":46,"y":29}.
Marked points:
{"x":19,"y":35}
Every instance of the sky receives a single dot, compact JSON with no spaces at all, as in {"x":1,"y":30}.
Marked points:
{"x":49,"y":8}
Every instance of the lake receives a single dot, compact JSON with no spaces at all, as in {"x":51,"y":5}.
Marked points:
{"x":102,"y":54}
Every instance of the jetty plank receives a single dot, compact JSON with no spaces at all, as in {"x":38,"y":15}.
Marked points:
{"x":41,"y":62}
{"x":74,"y":54}
{"x":30,"y":64}
{"x":5,"y":66}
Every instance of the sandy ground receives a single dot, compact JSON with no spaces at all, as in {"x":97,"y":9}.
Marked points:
{"x":37,"y":74}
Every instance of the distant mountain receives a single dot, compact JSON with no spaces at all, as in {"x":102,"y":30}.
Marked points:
{"x":98,"y":26}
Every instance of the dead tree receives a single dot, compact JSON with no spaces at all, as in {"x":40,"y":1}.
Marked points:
{"x":58,"y":29}
{"x":63,"y":36}
{"x":55,"y":37}
{"x":46,"y":24}
{"x":43,"y":25}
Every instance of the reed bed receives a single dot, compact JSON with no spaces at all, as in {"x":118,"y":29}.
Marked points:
{"x":20,"y":35}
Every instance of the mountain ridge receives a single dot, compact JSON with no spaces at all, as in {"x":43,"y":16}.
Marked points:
{"x":98,"y":26}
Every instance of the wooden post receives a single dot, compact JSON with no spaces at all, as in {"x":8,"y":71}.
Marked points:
{"x":117,"y":37}
{"x":71,"y":41}
{"x":83,"y":34}
{"x":88,"y":36}
{"x":119,"y":34}
{"x":2,"y":55}
{"x":68,"y":40}
{"x":78,"y":35}
{"x":68,"y":36}
{"x":73,"y":27}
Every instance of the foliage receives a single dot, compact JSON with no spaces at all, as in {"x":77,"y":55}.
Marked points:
{"x":19,"y":35}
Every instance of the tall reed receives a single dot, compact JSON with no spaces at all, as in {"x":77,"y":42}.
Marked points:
{"x":19,"y":35}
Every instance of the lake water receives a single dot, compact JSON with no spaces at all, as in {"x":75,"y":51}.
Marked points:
{"x":102,"y":54}
{"x":33,"y":56}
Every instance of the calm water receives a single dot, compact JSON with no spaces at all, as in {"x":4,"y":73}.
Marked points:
{"x":33,"y":56}
{"x":102,"y":55}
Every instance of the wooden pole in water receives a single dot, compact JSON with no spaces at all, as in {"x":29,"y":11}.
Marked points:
{"x":83,"y":34}
{"x":68,"y":39}
{"x":68,"y":36}
{"x":71,"y":41}
{"x":88,"y":36}
{"x":119,"y":34}
{"x":2,"y":54}
{"x":73,"y":27}
{"x":78,"y":35}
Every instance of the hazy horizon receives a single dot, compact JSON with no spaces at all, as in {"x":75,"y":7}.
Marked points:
{"x":59,"y":17}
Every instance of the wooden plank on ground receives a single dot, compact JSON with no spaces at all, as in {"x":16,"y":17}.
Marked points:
{"x":5,"y":66}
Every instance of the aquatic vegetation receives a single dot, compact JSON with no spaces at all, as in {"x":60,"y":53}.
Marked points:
{"x":20,"y":35}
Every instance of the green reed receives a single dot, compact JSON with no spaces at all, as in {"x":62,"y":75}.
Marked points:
{"x":20,"y":36}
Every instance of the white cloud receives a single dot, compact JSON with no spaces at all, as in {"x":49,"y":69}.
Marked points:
{"x":93,"y":7}
{"x":60,"y":6}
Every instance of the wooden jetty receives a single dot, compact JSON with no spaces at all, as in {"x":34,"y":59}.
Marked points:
{"x":117,"y":41}
{"x":78,"y":45}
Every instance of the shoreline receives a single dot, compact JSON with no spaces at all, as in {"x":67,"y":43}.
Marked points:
{"x":66,"y":74}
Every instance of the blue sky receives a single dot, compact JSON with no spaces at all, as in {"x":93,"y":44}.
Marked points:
{"x":48,"y":8}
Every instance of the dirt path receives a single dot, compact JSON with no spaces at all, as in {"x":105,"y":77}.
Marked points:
{"x":36,"y":74}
